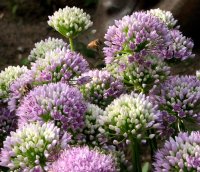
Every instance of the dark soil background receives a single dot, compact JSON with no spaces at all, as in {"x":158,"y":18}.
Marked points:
{"x":24,"y":22}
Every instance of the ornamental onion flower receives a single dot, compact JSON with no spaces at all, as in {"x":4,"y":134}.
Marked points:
{"x":42,"y":47}
{"x":139,"y":76}
{"x":90,"y":130}
{"x":56,"y":102}
{"x":7,"y":77}
{"x":179,"y":154}
{"x":70,"y":22}
{"x":102,"y":88}
{"x":8,"y":123}
{"x":128,"y":117}
{"x":136,"y":35}
{"x":82,"y":159}
{"x":178,"y":100}
{"x":164,"y":16}
{"x":58,"y":65}
{"x":32,"y":147}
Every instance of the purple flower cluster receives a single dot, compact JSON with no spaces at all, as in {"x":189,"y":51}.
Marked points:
{"x":57,"y":102}
{"x":138,"y":34}
{"x":32,"y":147}
{"x":82,"y":159}
{"x":8,"y":123}
{"x":102,"y":88}
{"x":179,"y":154}
{"x":178,"y":99}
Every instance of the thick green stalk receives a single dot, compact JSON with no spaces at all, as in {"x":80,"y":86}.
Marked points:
{"x":71,"y":44}
{"x":135,"y":150}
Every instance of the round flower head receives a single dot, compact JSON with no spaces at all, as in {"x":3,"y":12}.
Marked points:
{"x":137,"y":35}
{"x":102,"y":88}
{"x":32,"y":147}
{"x":180,"y":47}
{"x":198,"y":74}
{"x":7,"y":77}
{"x":82,"y":159}
{"x":164,"y":16}
{"x":8,"y":123}
{"x":44,"y":46}
{"x":179,"y":154}
{"x":128,"y":117}
{"x":58,"y":65}
{"x":139,"y":76}
{"x":178,"y":100}
{"x":70,"y":22}
{"x":57,"y":102}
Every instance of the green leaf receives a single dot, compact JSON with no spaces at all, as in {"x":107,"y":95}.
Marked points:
{"x":145,"y":167}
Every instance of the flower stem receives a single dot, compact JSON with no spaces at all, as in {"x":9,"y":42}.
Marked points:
{"x":152,"y":143}
{"x":71,"y":44}
{"x":135,"y":155}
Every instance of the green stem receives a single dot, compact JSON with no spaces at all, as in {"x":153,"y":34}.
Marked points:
{"x":152,"y":143}
{"x":135,"y":155}
{"x":71,"y":44}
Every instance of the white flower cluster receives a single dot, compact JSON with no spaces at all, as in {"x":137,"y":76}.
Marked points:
{"x":70,"y":21}
{"x":92,"y":117}
{"x":7,"y":76}
{"x":165,"y":16}
{"x":30,"y":146}
{"x":42,"y":47}
{"x":128,"y":117}
{"x":198,"y":74}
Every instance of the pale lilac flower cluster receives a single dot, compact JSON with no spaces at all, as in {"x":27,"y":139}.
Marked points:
{"x":7,"y":77}
{"x":179,"y":154}
{"x":128,"y":117}
{"x":32,"y":147}
{"x":102,"y":88}
{"x":139,"y":76}
{"x":164,"y":16}
{"x":136,"y":35}
{"x":178,"y":100}
{"x":42,"y":47}
{"x":82,"y":159}
{"x":70,"y":22}
{"x":8,"y":123}
{"x":56,"y":102}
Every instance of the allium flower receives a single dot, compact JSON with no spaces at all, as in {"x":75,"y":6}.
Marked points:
{"x":57,"y":102}
{"x":136,"y":35}
{"x":70,"y":22}
{"x":7,"y":77}
{"x":8,"y":123}
{"x":139,"y":76}
{"x":198,"y":74}
{"x":164,"y":16}
{"x":128,"y":117}
{"x":82,"y":159}
{"x":58,"y":65}
{"x":178,"y":99}
{"x":32,"y":146}
{"x":179,"y":154}
{"x":180,"y":47}
{"x":44,"y":46}
{"x":102,"y":88}
{"x":92,"y":116}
